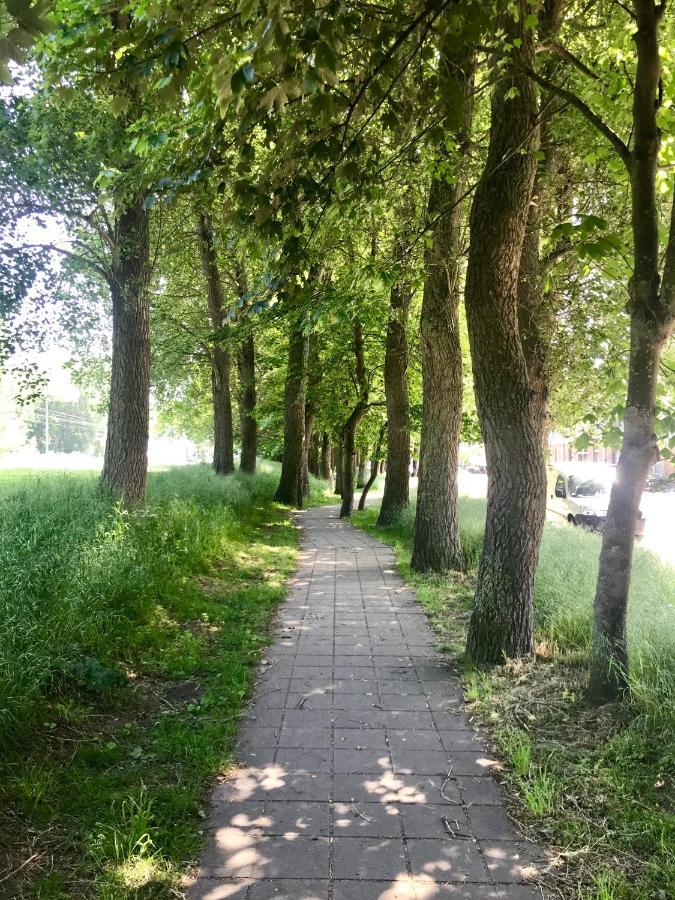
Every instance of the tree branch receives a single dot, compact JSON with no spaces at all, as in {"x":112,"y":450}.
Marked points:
{"x":586,"y":111}
{"x":564,"y":53}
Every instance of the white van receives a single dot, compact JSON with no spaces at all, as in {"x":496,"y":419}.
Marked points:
{"x":580,"y":495}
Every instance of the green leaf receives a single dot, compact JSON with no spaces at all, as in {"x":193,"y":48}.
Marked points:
{"x":120,"y":105}
{"x":247,"y":8}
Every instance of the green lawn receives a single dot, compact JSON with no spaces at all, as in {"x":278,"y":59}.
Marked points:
{"x":597,"y":785}
{"x":128,"y":641}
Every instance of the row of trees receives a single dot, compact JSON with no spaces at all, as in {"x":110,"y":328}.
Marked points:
{"x":251,"y":179}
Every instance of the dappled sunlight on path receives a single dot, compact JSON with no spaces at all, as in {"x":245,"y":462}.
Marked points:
{"x":361,"y":776}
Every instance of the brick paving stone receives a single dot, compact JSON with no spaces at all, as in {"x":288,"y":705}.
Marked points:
{"x":363,"y":857}
{"x":361,"y":776}
{"x":401,"y":889}
{"x":366,"y":820}
{"x":454,"y":860}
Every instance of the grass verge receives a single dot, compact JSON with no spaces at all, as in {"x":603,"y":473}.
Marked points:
{"x":595,"y":785}
{"x":128,"y":641}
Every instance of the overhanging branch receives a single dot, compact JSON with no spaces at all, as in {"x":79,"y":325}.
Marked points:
{"x":579,"y":104}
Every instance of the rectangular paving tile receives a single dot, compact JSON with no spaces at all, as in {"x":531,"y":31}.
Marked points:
{"x":354,"y":819}
{"x":420,"y":762}
{"x":447,"y":860}
{"x":364,"y":760}
{"x":305,"y":738}
{"x":274,"y":817}
{"x":411,"y":739}
{"x":400,"y":889}
{"x":291,"y":889}
{"x":360,"y":738}
{"x":368,"y":857}
{"x":434,"y":820}
{"x":233,"y":854}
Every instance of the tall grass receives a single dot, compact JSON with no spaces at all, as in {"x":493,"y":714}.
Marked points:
{"x":79,"y":574}
{"x":564,"y":590}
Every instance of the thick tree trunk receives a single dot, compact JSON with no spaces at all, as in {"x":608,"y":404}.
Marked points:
{"x":221,"y":363}
{"x":436,"y":542}
{"x":125,"y":462}
{"x":652,"y":309}
{"x":508,"y":405}
{"x":326,"y":467}
{"x":247,"y":401}
{"x":290,"y":489}
{"x":396,"y":482}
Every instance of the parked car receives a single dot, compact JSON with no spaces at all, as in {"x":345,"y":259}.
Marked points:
{"x":580,"y":495}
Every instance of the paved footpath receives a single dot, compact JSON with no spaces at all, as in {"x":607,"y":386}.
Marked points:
{"x":361,"y":776}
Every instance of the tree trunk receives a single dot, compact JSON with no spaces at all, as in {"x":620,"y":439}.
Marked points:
{"x":247,"y":401}
{"x":501,"y":622}
{"x":337,"y":456}
{"x":290,"y":489}
{"x":306,"y":450}
{"x":396,"y":482}
{"x":326,"y":469}
{"x":125,"y":462}
{"x":314,"y":462}
{"x":352,"y":423}
{"x":362,"y":468}
{"x":313,"y":379}
{"x":436,"y":542}
{"x":652,"y":309}
{"x":348,"y":454}
{"x":221,"y":364}
{"x":374,"y":468}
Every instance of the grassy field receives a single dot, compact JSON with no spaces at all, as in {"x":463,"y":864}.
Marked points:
{"x":596,"y":785}
{"x":128,"y":641}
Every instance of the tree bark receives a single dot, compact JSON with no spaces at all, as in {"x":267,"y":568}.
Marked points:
{"x":314,"y":462}
{"x":337,"y":456}
{"x":352,"y":423}
{"x":313,"y":379}
{"x":374,"y":468}
{"x":125,"y":462}
{"x":507,"y":403}
{"x":290,"y":489}
{"x":247,"y":401}
{"x":221,"y":362}
{"x":326,"y":468}
{"x":652,"y":310}
{"x":436,"y":541}
{"x":362,"y":468}
{"x":396,"y":482}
